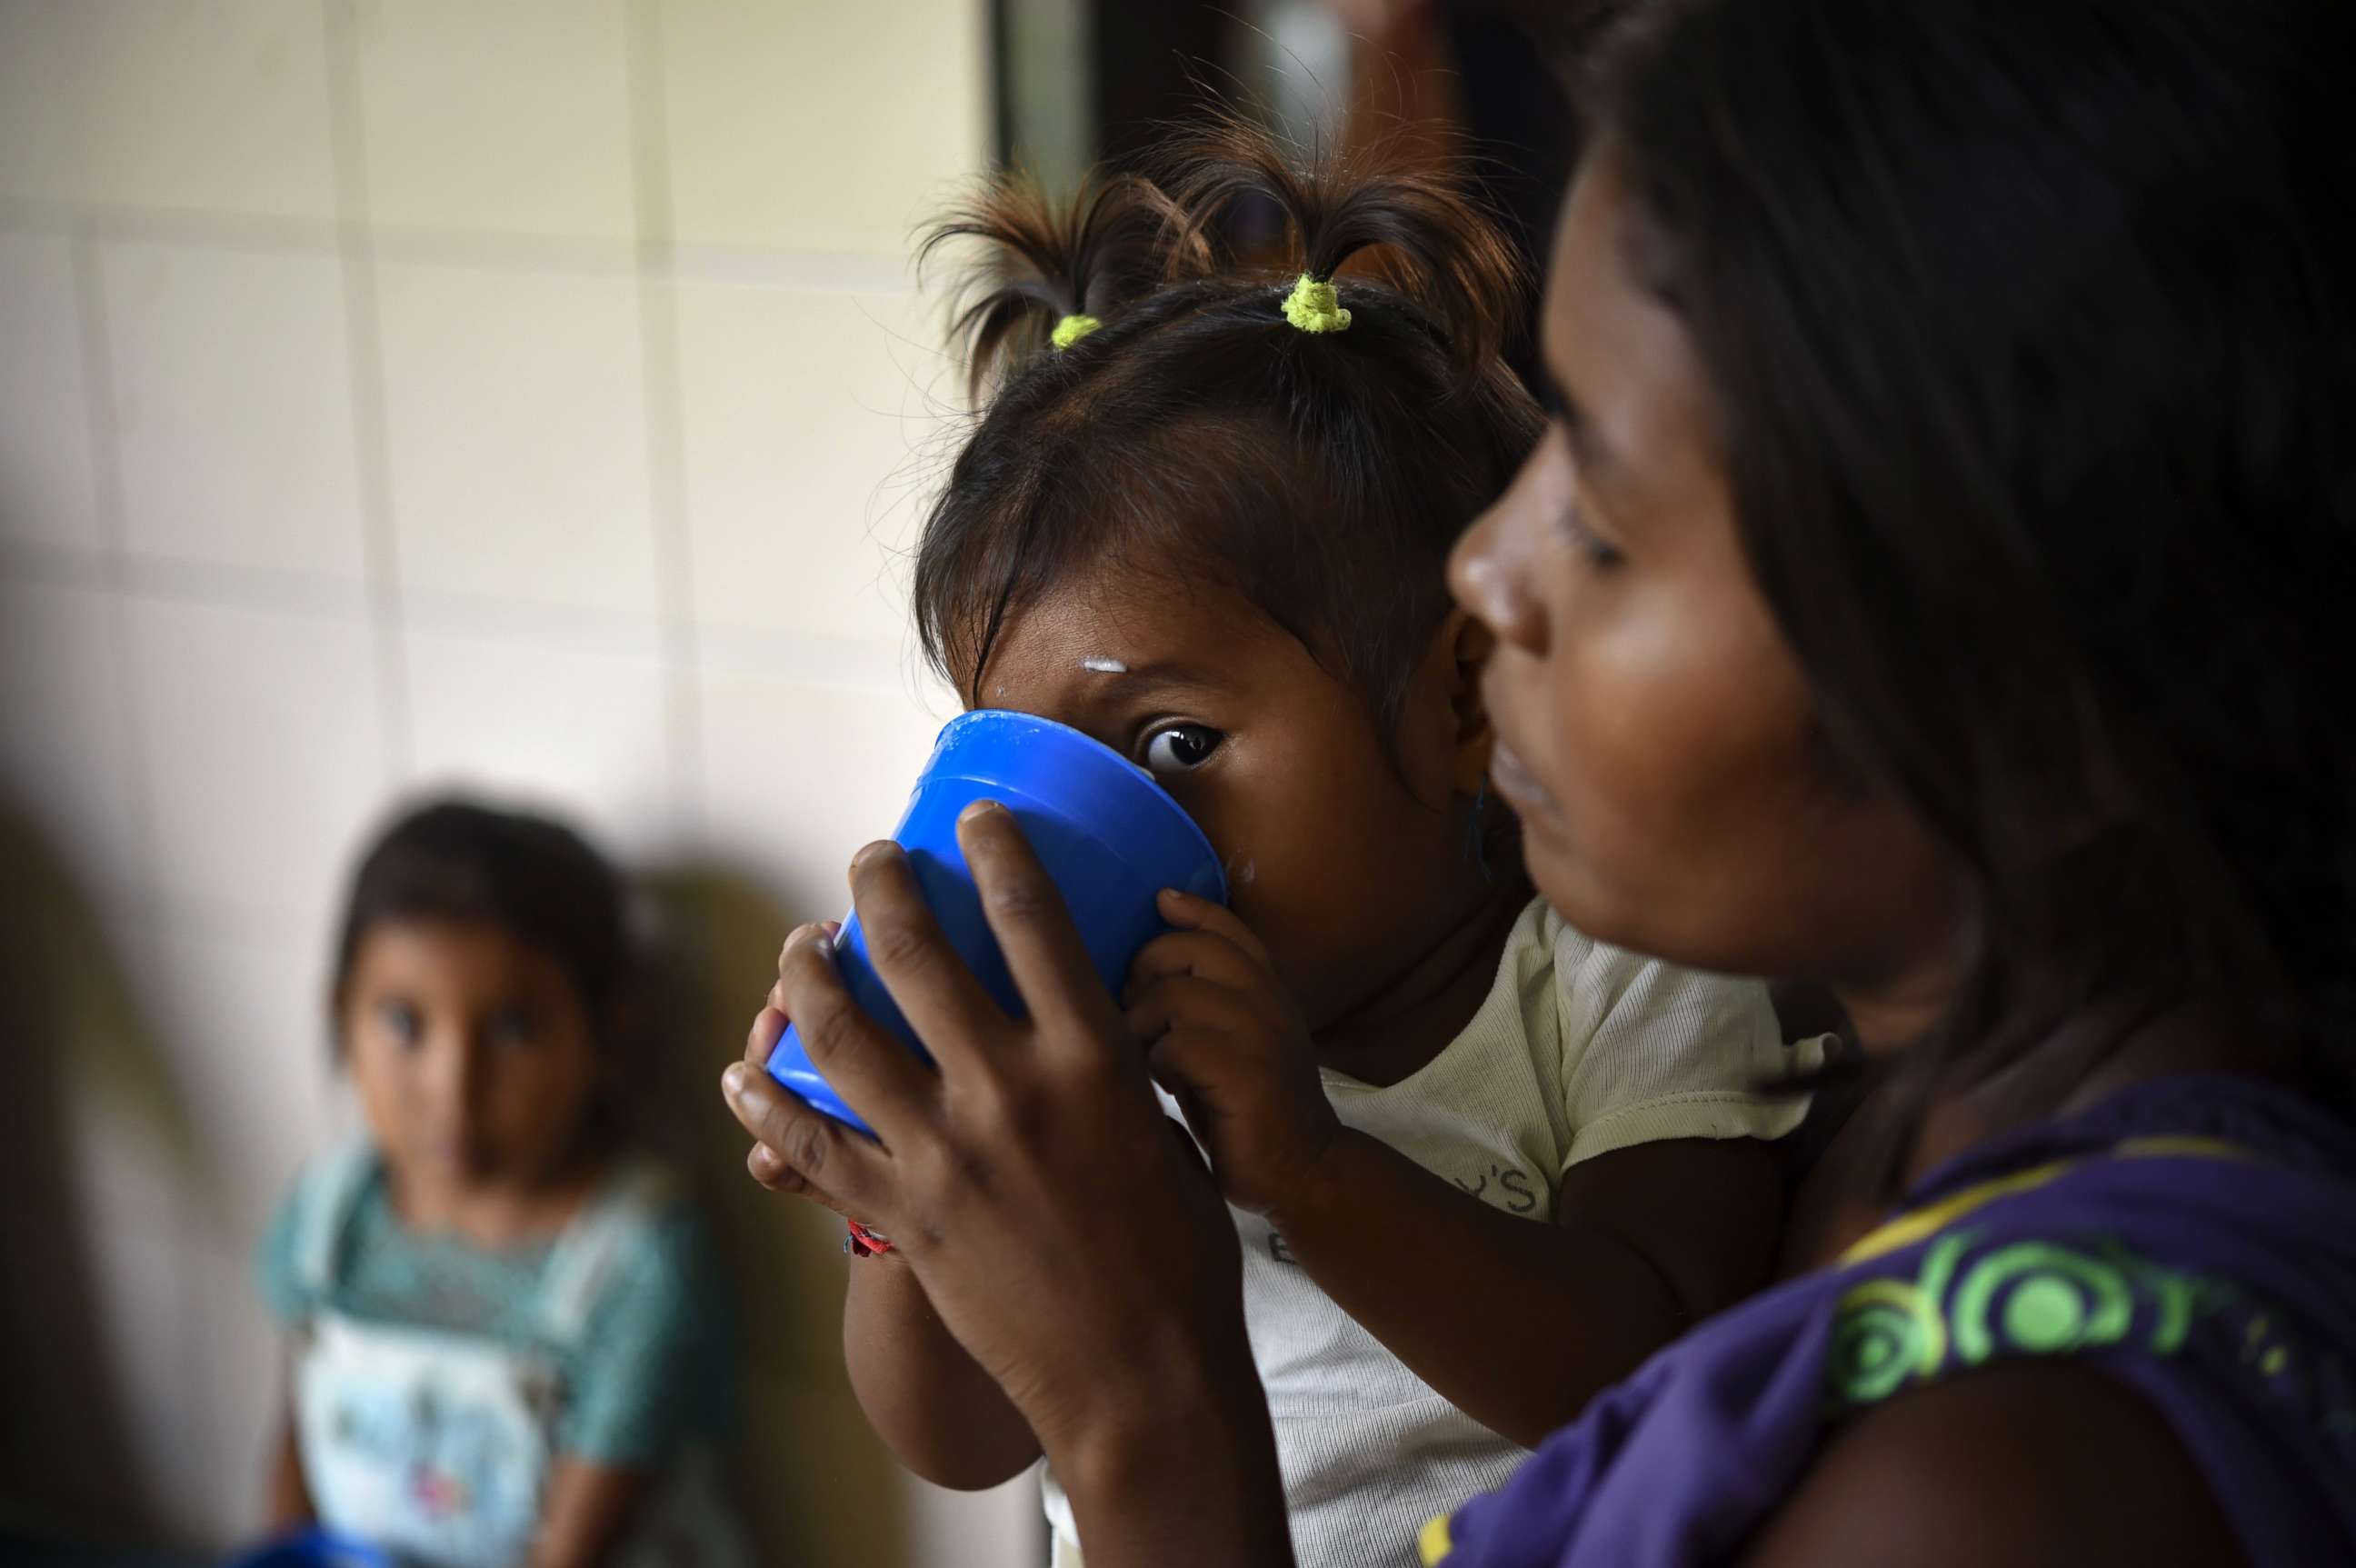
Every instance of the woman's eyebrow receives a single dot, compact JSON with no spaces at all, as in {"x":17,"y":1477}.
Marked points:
{"x":1588,"y":450}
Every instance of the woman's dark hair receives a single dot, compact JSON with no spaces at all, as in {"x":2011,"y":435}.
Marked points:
{"x":2030,"y":323}
{"x":1197,"y":433}
{"x":535,"y":879}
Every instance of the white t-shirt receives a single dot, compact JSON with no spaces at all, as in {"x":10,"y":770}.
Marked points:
{"x":1578,"y":1050}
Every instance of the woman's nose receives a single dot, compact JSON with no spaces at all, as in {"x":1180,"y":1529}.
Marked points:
{"x":1487,"y":573}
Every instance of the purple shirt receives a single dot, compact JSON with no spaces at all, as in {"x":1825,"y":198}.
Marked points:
{"x":2195,"y":1236}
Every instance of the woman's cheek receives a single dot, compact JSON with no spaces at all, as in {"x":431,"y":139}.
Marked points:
{"x":1610,"y":713}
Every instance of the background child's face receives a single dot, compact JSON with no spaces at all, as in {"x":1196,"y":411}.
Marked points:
{"x":1349,"y":862}
{"x":474,"y":1058}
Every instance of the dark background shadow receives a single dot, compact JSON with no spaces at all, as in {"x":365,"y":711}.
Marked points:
{"x":816,"y":1483}
{"x":67,"y":1012}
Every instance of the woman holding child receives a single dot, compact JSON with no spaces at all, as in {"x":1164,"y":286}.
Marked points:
{"x":1934,"y":579}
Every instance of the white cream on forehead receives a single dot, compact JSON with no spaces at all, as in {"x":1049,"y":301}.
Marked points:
{"x":1103,"y":666}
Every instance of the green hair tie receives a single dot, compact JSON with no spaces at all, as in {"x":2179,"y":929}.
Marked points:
{"x":1313,"y":307}
{"x":1072,"y":328}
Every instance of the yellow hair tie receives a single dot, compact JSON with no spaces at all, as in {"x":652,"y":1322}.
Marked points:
{"x":1314,"y":307}
{"x":1072,"y":328}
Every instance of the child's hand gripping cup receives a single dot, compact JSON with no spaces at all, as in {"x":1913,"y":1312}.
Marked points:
{"x":1108,"y":835}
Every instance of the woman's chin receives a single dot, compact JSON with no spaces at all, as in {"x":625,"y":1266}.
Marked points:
{"x":1594,"y":908}
{"x":1566,"y":881}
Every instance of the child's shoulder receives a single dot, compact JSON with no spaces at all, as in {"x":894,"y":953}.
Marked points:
{"x":638,"y":1278}
{"x":296,"y":1261}
{"x":1655,"y":1050}
{"x":1596,"y":983}
{"x":647,"y":1206}
{"x":640,"y":1229}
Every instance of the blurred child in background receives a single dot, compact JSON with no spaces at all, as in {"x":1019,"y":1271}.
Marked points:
{"x":508,"y":1336}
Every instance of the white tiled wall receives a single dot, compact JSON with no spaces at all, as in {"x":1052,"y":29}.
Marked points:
{"x":813,"y":125}
{"x":215,"y":107}
{"x":522,"y":394}
{"x":45,"y":450}
{"x":231,"y":413}
{"x":512,"y":118}
{"x":512,"y":394}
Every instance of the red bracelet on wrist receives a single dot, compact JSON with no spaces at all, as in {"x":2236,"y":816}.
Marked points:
{"x":865,"y":1243}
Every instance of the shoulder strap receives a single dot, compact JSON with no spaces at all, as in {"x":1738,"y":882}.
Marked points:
{"x":331,"y":1191}
{"x":582,"y":1263}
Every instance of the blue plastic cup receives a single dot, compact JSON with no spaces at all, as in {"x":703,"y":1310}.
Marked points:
{"x":1110,"y":836}
{"x":316,"y":1548}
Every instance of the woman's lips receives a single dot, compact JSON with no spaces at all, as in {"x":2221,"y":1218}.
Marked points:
{"x":1518,"y":786}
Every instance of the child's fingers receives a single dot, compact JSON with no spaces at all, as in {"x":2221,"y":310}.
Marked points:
{"x":1190,"y":1062}
{"x":826,"y":929}
{"x":937,"y":991}
{"x":1189,"y":913}
{"x":774,"y":1018}
{"x":820,"y":1153}
{"x":1209,"y":954}
{"x":761,"y":1040}
{"x":1167,"y":1064}
{"x":1188,"y":1002}
{"x":1044,"y":955}
{"x":832,"y":929}
{"x":886,"y":1082}
{"x":768,"y":1168}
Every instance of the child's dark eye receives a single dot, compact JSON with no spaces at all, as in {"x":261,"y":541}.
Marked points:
{"x":509,"y":1026}
{"x":400,"y":1021}
{"x":1181,"y":748}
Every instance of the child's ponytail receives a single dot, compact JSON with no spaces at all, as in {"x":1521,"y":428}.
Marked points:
{"x":1051,"y":272}
{"x":1409,"y":225}
{"x":1314,"y":445}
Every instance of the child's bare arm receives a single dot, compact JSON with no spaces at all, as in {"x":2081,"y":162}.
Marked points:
{"x":939,"y":1412}
{"x":589,"y":1511}
{"x":288,"y":1503}
{"x":944,"y":1416}
{"x":1519,"y":1323}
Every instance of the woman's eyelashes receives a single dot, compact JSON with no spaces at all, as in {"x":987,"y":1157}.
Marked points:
{"x":1598,"y":552}
{"x":1171,"y":749}
{"x":1576,"y":509}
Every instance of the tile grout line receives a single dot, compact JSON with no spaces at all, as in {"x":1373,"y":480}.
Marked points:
{"x":98,"y":390}
{"x":752,"y":265}
{"x":96,"y":338}
{"x":364,"y":359}
{"x":660,"y":379}
{"x":845,"y":661}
